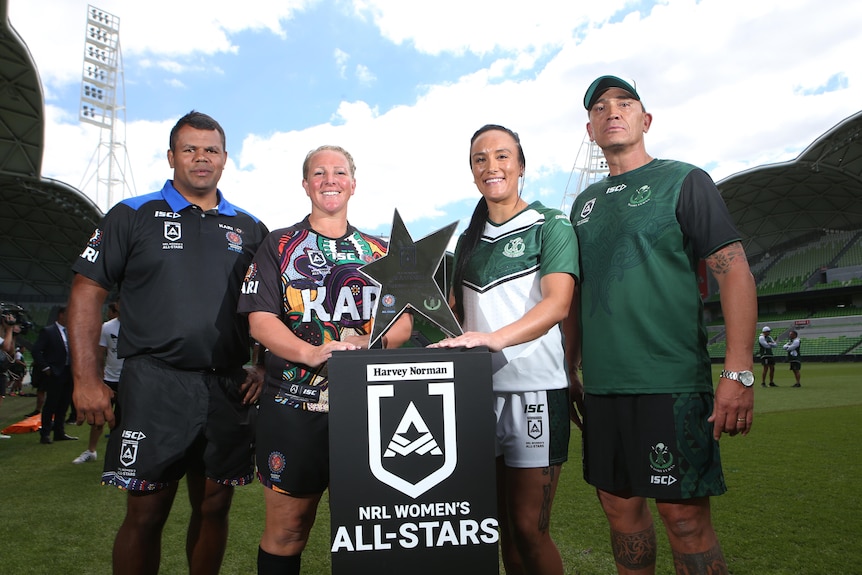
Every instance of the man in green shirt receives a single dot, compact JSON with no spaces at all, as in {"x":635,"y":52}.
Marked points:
{"x":651,"y":421}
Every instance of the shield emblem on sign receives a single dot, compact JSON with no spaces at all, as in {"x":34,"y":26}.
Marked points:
{"x":413,"y":437}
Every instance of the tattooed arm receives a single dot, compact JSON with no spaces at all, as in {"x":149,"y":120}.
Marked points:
{"x":738,"y":295}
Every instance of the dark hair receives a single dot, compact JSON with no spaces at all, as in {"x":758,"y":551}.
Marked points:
{"x":474,"y":229}
{"x":198,"y":121}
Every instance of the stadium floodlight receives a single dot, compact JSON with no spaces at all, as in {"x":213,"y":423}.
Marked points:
{"x":103,"y":105}
{"x":591,"y":165}
{"x":101,"y":64}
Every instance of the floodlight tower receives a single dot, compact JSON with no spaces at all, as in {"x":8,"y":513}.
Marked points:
{"x":591,"y":166}
{"x":103,"y":104}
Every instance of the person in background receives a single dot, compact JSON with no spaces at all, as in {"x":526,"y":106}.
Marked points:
{"x":794,"y":355}
{"x":51,"y":354}
{"x":515,"y":270}
{"x":765,"y":345}
{"x":295,"y":294}
{"x":651,"y":418}
{"x":187,"y":405}
{"x":8,"y":331}
{"x":113,"y":367}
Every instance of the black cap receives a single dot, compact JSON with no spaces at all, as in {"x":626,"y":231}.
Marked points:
{"x":604,"y":83}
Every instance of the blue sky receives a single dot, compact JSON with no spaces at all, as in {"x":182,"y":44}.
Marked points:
{"x":732,"y":84}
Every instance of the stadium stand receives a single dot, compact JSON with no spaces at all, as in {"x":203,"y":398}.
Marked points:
{"x":801,"y":223}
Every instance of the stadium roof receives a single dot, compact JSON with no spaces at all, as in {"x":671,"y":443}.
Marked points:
{"x":821,"y":190}
{"x":44,"y":223}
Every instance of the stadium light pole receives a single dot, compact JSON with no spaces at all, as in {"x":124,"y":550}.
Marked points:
{"x":591,"y":165}
{"x":103,"y":105}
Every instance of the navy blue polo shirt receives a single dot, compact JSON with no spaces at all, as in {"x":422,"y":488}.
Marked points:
{"x":179,"y":270}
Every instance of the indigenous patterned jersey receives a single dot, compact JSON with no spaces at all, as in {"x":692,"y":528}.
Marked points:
{"x":312,"y":284}
{"x":641,"y":236}
{"x":502,"y":283}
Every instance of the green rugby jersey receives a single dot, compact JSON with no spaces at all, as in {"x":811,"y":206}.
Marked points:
{"x":641,"y":312}
{"x":502,"y":282}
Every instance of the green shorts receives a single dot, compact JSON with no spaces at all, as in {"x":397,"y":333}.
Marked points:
{"x":657,"y":446}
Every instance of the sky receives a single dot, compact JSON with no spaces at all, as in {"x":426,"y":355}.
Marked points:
{"x":402,"y":85}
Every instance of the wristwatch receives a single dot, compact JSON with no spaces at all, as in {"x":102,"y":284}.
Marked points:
{"x":746,"y":378}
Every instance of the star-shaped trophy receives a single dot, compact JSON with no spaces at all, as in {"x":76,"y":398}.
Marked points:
{"x":405,"y":276}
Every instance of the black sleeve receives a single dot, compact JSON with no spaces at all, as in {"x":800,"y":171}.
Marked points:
{"x":703,"y":215}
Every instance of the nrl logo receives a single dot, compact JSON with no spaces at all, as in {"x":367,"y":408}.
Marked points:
{"x":128,"y":452}
{"x":412,"y":439}
{"x":173,"y":231}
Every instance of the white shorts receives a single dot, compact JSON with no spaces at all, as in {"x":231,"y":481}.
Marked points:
{"x":532,"y":428}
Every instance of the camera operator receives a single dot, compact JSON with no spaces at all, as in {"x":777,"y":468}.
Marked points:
{"x":8,"y":329}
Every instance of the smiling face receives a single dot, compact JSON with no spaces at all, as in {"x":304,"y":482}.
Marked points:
{"x":617,"y":120}
{"x":198,"y":159}
{"x":329,"y":182}
{"x":496,"y":165}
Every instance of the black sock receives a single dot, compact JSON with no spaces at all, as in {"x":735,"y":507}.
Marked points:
{"x":268,"y":564}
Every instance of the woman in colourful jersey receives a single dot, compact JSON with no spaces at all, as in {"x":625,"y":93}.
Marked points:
{"x":515,"y":273}
{"x":305,"y":300}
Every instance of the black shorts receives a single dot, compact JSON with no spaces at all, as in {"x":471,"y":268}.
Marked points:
{"x":657,"y":446}
{"x":795,"y":365}
{"x":767,"y":360}
{"x":175,"y":420}
{"x":292,"y":450}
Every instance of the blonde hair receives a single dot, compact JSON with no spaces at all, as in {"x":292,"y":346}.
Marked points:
{"x":330,"y":148}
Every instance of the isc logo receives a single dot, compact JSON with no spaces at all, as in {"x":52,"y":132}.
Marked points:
{"x":128,"y":434}
{"x":534,"y":408}
{"x":662,"y":479}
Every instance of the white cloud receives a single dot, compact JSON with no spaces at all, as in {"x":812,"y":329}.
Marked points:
{"x":158,"y":27}
{"x":731,"y":83}
{"x":482,"y":27}
{"x":365,"y":76}
{"x":341,"y":59}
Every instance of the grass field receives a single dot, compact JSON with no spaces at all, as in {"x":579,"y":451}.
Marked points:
{"x":794,"y":505}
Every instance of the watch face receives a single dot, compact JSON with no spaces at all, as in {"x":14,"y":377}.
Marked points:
{"x":746,"y":378}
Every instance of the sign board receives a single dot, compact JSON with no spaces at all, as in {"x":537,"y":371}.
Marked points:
{"x":412,"y":485}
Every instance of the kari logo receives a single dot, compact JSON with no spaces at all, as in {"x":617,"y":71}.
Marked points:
{"x":234,"y":238}
{"x":173,"y":231}
{"x":276,"y":462}
{"x":413,"y":439}
{"x":96,"y":238}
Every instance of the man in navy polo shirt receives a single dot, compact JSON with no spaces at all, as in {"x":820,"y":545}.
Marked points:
{"x":178,"y":256}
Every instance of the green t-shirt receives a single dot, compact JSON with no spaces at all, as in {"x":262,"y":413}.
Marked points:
{"x":502,"y":282}
{"x":641,"y":236}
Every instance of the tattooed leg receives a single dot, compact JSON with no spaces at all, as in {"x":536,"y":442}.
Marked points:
{"x":710,"y":562}
{"x":635,"y":551}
